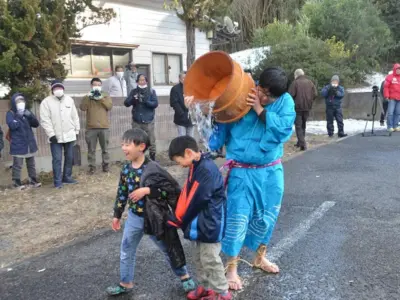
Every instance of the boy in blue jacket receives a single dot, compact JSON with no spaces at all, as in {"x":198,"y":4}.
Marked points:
{"x":333,"y":94}
{"x":23,"y":145}
{"x":201,"y":214}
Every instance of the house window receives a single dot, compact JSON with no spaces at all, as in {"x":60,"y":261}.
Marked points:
{"x":89,"y":61}
{"x":166,"y":68}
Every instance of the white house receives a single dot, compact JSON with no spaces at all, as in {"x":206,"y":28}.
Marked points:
{"x":143,"y":31}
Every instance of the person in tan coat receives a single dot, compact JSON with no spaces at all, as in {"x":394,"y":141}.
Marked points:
{"x":97,"y":104}
{"x":304,"y":93}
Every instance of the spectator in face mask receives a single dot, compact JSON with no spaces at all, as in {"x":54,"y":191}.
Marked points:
{"x":144,"y":102}
{"x":96,"y":105}
{"x":60,"y":121}
{"x":23,"y":145}
{"x":130,"y":77}
{"x":391,"y":92}
{"x":333,"y":94}
{"x":116,"y":85}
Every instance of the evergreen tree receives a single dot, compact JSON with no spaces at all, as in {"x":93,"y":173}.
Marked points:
{"x":193,"y":13}
{"x":35,"y":33}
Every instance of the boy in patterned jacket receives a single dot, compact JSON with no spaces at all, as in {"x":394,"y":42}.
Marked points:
{"x":130,"y":192}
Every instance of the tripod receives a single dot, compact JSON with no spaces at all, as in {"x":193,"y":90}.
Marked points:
{"x":375,"y":101}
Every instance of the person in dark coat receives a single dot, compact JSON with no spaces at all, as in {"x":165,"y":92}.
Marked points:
{"x":144,"y":102}
{"x":137,"y":187}
{"x":20,"y":121}
{"x":385,"y":102}
{"x":181,"y":117}
{"x":333,"y":94}
{"x":304,"y":93}
{"x":1,"y":141}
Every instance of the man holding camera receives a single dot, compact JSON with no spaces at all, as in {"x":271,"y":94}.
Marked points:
{"x":96,"y":105}
{"x":391,"y":91}
{"x":130,"y":77}
{"x":144,"y":102}
{"x":333,"y":94}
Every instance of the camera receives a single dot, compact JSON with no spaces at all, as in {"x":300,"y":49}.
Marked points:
{"x":375,"y":90}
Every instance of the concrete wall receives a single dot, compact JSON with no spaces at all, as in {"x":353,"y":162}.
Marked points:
{"x":354,"y":105}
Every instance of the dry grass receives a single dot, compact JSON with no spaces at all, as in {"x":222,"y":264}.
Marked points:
{"x":37,"y":220}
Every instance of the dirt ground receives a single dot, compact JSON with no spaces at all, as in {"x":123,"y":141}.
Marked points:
{"x":37,"y":220}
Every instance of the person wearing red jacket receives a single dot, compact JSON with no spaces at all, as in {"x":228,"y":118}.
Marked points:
{"x":391,"y":91}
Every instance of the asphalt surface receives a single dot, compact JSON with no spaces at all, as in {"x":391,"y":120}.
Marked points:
{"x":351,"y":251}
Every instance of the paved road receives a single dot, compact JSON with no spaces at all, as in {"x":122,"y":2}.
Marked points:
{"x":337,"y":238}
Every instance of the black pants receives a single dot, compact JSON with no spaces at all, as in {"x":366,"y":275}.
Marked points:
{"x":331,"y":114}
{"x":385,"y":107}
{"x":300,"y":124}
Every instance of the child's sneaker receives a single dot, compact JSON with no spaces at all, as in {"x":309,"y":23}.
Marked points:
{"x":17,"y":184}
{"x":200,"y":293}
{"x":188,"y":285}
{"x":226,"y":296}
{"x":34,"y":183}
{"x":118,"y":290}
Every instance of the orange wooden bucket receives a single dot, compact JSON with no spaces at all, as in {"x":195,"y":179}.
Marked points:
{"x":215,"y":77}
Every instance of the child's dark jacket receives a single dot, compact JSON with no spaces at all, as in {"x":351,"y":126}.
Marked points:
{"x":156,"y":210}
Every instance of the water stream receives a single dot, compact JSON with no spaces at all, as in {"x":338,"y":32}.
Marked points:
{"x":202,"y":117}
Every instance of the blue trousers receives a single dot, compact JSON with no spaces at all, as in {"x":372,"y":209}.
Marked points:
{"x":393,"y":114}
{"x":133,"y":233}
{"x":56,"y":152}
{"x":254,"y":202}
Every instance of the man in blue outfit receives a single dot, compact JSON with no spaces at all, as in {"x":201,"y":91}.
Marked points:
{"x":254,"y":147}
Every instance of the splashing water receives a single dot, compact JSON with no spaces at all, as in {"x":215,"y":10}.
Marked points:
{"x":202,"y":116}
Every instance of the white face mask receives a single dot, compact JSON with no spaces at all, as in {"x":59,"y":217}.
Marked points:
{"x":143,"y":86}
{"x":58,"y":93}
{"x":21,"y":106}
{"x":120,"y":74}
{"x":96,"y":88}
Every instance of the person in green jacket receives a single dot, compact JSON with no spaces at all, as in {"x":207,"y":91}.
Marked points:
{"x":97,"y":104}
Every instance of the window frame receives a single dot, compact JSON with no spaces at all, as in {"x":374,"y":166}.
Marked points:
{"x":69,"y":58}
{"x":166,"y":69}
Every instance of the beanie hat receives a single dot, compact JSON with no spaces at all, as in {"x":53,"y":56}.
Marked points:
{"x":57,"y":83}
{"x":335,"y":78}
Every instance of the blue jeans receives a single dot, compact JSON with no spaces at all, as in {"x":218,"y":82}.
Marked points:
{"x":133,"y":233}
{"x":56,"y":152}
{"x":393,"y":114}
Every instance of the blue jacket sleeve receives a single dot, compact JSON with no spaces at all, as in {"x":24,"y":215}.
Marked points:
{"x":340,"y":92}
{"x":203,"y":187}
{"x":130,"y":100}
{"x":218,"y":136}
{"x":1,"y":140}
{"x":33,"y":121}
{"x":152,"y":102}
{"x":325,"y":91}
{"x":12,"y":122}
{"x":279,"y":125}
